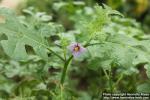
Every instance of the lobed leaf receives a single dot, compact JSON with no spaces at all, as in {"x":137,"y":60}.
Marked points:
{"x":19,"y":35}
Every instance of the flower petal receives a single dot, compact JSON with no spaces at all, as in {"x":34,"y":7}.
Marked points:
{"x":72,"y":47}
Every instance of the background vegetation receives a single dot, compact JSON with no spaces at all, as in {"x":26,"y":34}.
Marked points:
{"x":119,"y":63}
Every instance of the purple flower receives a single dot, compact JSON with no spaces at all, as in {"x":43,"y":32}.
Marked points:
{"x":76,"y":49}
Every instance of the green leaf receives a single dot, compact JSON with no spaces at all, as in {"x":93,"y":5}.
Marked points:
{"x":19,"y":35}
{"x":111,"y":11}
{"x":147,"y":67}
{"x":123,"y":39}
{"x":96,"y":63}
{"x":145,"y":87}
{"x":119,"y":53}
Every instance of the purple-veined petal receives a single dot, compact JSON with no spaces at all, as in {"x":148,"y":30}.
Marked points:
{"x":77,"y":49}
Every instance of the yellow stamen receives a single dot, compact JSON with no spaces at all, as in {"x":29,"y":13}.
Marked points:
{"x":76,"y":49}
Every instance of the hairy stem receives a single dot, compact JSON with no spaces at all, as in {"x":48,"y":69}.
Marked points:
{"x":93,"y":44}
{"x":68,"y":61}
{"x":110,"y":81}
{"x":65,"y":69}
{"x":108,"y":76}
{"x":56,"y":54}
{"x":117,"y":82}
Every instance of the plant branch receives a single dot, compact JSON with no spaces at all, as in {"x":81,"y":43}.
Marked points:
{"x":110,"y":81}
{"x":108,"y":76}
{"x":56,"y":54}
{"x":65,"y":69}
{"x":86,"y":45}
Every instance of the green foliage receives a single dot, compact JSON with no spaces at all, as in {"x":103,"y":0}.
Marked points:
{"x":115,"y":47}
{"x":15,"y":45}
{"x":22,"y":36}
{"x":144,"y":88}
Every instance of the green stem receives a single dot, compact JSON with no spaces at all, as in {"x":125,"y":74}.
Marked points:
{"x":56,"y":54}
{"x":117,"y":82}
{"x":65,"y":69}
{"x":68,"y":61}
{"x":93,"y":44}
{"x":110,"y":81}
{"x":61,"y":92}
{"x":87,"y":44}
{"x":108,"y":76}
